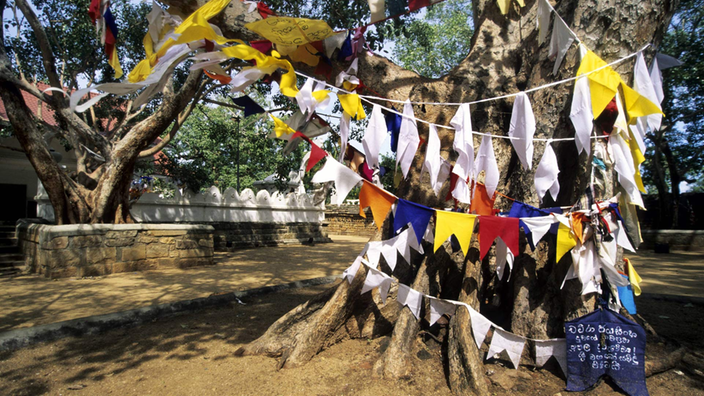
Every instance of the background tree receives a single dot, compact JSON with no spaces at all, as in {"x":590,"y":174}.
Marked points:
{"x":676,"y":151}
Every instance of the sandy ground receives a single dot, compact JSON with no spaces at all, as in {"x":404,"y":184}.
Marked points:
{"x":32,"y":300}
{"x":194,"y":355}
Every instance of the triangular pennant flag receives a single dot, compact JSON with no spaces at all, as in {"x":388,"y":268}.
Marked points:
{"x":643,"y":83}
{"x":410,"y":298}
{"x":449,"y":223}
{"x":482,"y":204}
{"x":416,"y":214}
{"x":581,"y":111}
{"x":491,"y":227}
{"x":406,"y":241}
{"x":623,"y":165}
{"x":461,"y":191}
{"x":522,"y":129}
{"x":546,"y":175}
{"x":439,"y":308}
{"x":505,"y":341}
{"x":562,"y":38}
{"x":543,"y":20}
{"x":408,"y":139}
{"x":378,"y":199}
{"x":350,"y":272}
{"x":486,"y":161}
{"x":250,"y":106}
{"x":503,"y":6}
{"x":378,"y":9}
{"x":374,"y":136}
{"x":634,"y":278}
{"x":544,"y":349}
{"x":480,"y":325}
{"x":638,"y":105}
{"x":281,"y":128}
{"x":433,"y":161}
{"x":374,"y":279}
{"x":316,"y":154}
{"x":334,"y":42}
{"x":463,"y":143}
{"x":263,"y":46}
{"x":393,"y":125}
{"x":305,"y":99}
{"x":565,"y":241}
{"x":538,"y":227}
{"x":622,"y":237}
{"x":345,"y":179}
{"x":352,"y":105}
{"x":603,"y":84}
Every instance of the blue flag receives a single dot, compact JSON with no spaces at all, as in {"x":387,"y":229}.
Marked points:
{"x":417,"y":215}
{"x":605,"y":343}
{"x":250,"y":106}
{"x":393,"y":125}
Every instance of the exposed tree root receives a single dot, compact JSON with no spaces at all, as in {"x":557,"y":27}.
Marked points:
{"x":666,"y":363}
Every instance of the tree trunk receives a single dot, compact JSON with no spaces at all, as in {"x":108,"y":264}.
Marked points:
{"x":505,"y":58}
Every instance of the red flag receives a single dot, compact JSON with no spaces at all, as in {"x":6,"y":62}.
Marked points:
{"x":491,"y":227}
{"x":417,"y":4}
{"x":264,"y":10}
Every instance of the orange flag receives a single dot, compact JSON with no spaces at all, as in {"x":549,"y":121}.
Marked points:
{"x":481,"y":203}
{"x":379,"y":200}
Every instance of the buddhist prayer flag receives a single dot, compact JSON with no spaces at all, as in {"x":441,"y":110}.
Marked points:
{"x":453,"y":223}
{"x":491,"y":227}
{"x":377,"y":199}
{"x":291,"y":31}
{"x":565,"y":241}
{"x":416,"y":214}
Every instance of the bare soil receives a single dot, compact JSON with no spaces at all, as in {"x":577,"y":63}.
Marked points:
{"x":193,"y":355}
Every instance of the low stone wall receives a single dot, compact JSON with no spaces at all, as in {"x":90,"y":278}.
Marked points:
{"x":690,"y":240}
{"x":232,"y":236}
{"x":101,"y":249}
{"x":345,"y":220}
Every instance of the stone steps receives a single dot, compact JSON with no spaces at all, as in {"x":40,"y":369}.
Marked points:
{"x":11,"y":260}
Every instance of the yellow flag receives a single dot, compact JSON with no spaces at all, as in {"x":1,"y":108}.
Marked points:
{"x":603,"y":84}
{"x":638,"y":158}
{"x":305,"y":54}
{"x":291,"y":31}
{"x":634,"y":278}
{"x":637,"y":105}
{"x":352,"y":105}
{"x":114,"y":62}
{"x":287,"y":85}
{"x":503,"y":6}
{"x":281,"y":128}
{"x":565,"y":241}
{"x":320,"y":95}
{"x":448,"y":223}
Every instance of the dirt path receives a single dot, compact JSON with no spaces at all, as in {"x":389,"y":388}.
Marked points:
{"x":193,"y":355}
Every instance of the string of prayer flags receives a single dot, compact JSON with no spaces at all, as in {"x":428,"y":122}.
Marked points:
{"x":491,"y":227}
{"x":433,"y":161}
{"x":100,"y":14}
{"x":374,"y":136}
{"x":250,"y":107}
{"x":557,"y":348}
{"x":410,"y":298}
{"x":378,"y":199}
{"x":387,"y":248}
{"x":416,"y":214}
{"x":546,"y":176}
{"x":486,"y":161}
{"x":522,"y":129}
{"x":344,"y":178}
{"x":463,"y":144}
{"x":453,"y":223}
{"x":408,"y":139}
{"x":439,"y":307}
{"x":482,"y":204}
{"x":505,"y":341}
{"x":352,"y":105}
{"x":581,"y":113}
{"x":374,"y":279}
{"x":290,"y":31}
{"x":560,"y":41}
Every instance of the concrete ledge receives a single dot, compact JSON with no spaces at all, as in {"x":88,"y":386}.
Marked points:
{"x":19,"y":338}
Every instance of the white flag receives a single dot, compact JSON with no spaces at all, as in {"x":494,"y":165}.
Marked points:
{"x":410,"y":298}
{"x":345,"y":178}
{"x":344,"y":134}
{"x":408,"y":139}
{"x":555,"y":347}
{"x":560,"y":42}
{"x":463,"y":143}
{"x":374,"y":279}
{"x":503,"y":256}
{"x":581,"y":113}
{"x":643,"y":83}
{"x":546,"y":174}
{"x":522,"y":129}
{"x":538,"y":226}
{"x":543,"y":21}
{"x":439,"y":308}
{"x":378,"y":9}
{"x":486,"y":161}
{"x":480,"y":326}
{"x":511,"y":343}
{"x":433,"y":161}
{"x":374,"y":136}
